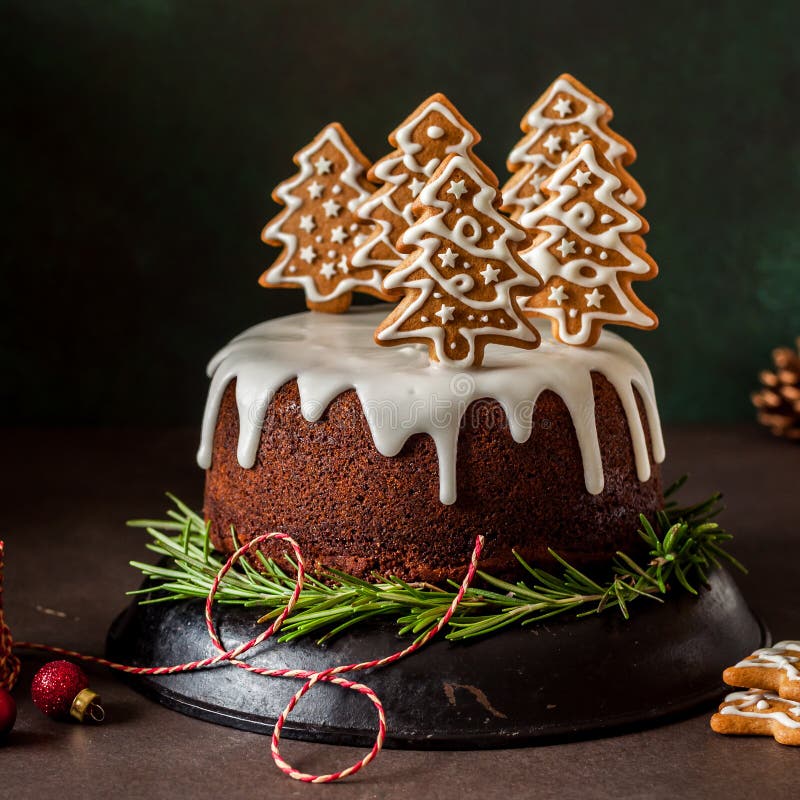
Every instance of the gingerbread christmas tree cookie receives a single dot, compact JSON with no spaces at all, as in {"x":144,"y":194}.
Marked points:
{"x":565,"y":116}
{"x":319,"y":228}
{"x":421,"y":142}
{"x":588,"y":248}
{"x":463,"y":276}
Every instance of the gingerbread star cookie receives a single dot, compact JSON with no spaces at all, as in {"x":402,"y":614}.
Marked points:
{"x":759,"y":713}
{"x":776,"y":669}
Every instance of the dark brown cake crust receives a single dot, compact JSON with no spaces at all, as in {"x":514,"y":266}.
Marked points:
{"x":352,"y":508}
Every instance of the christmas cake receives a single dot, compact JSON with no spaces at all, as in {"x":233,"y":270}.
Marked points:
{"x":489,"y":400}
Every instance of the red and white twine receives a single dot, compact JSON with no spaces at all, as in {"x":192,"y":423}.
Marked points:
{"x":9,"y":663}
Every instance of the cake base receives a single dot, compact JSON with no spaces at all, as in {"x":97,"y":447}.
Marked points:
{"x":557,"y":679}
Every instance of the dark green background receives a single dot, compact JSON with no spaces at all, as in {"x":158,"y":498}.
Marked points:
{"x":142,"y":140}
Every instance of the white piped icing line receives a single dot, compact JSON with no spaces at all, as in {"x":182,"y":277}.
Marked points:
{"x":402,"y":394}
{"x":777,"y":657}
{"x":755,"y":704}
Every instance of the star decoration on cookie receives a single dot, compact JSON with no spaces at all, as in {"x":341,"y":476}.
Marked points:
{"x":562,"y":107}
{"x":456,"y":189}
{"x":323,"y":165}
{"x":315,"y":190}
{"x":536,"y":181}
{"x":594,"y":299}
{"x":445,"y":313}
{"x":566,"y":248}
{"x":307,"y":223}
{"x":582,"y":178}
{"x":448,"y":258}
{"x":490,"y":274}
{"x":338,"y":235}
{"x":557,"y":295}
{"x":553,"y":144}
{"x":416,"y":186}
{"x":578,"y":136}
{"x":332,"y":208}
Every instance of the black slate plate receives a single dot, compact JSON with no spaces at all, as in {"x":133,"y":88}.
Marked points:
{"x":547,"y":681}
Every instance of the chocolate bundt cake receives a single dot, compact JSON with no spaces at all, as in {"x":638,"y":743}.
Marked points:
{"x":377,"y":461}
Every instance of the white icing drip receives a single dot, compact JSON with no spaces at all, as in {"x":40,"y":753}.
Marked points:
{"x":402,"y":394}
{"x":776,"y":657}
{"x":761,"y":701}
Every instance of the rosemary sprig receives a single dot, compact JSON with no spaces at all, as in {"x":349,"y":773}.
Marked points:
{"x":684,"y":545}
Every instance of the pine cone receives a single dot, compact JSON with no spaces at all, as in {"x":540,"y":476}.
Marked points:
{"x":778,"y":401}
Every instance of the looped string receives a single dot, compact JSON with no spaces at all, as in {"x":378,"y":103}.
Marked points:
{"x":311,"y":678}
{"x":9,"y":663}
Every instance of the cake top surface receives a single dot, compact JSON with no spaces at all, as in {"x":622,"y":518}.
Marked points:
{"x":403,"y":394}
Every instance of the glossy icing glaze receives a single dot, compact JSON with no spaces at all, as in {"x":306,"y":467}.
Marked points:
{"x":403,"y":394}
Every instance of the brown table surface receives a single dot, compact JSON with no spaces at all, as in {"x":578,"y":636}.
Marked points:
{"x":66,"y":495}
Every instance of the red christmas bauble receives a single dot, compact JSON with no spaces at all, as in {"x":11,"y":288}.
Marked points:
{"x":60,"y":689}
{"x":8,"y":713}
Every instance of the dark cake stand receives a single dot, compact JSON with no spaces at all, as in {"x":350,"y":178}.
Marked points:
{"x":555,"y":679}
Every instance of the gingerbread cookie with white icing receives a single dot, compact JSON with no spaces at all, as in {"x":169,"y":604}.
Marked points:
{"x":588,"y":249}
{"x":566,"y":115}
{"x":463,"y":279}
{"x":776,"y":669}
{"x":421,"y":141}
{"x":319,"y":228}
{"x":759,"y":713}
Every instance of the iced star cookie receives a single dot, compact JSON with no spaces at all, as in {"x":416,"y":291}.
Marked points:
{"x":775,"y":668}
{"x":759,"y":713}
{"x":319,"y":228}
